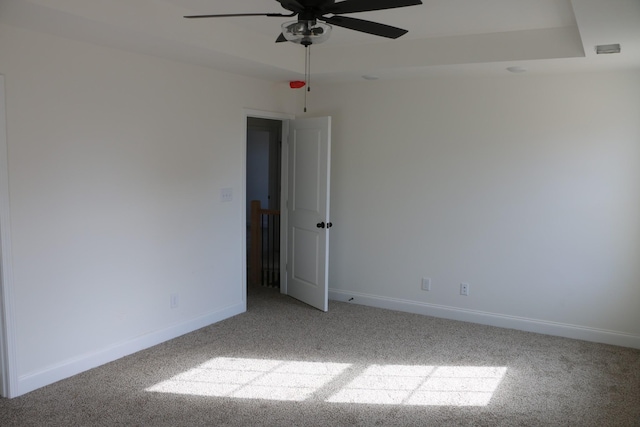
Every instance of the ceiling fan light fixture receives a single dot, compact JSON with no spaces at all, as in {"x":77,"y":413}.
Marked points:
{"x":306,"y":32}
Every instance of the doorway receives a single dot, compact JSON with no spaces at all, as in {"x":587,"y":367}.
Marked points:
{"x":263,"y":201}
{"x":303,"y":199}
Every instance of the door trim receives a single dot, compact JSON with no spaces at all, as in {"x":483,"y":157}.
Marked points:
{"x":284,"y":118}
{"x":9,"y":383}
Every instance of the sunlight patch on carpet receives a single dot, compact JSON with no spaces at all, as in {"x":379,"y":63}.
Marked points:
{"x":253,"y":379}
{"x":422,"y":385}
{"x":287,"y":380}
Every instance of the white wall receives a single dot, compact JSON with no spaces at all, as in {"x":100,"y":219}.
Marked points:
{"x":526,"y":187}
{"x":116,"y":162}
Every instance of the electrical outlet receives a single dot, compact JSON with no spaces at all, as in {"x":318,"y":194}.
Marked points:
{"x":174,"y":300}
{"x":464,"y":289}
{"x":426,"y":284}
{"x":226,"y":194}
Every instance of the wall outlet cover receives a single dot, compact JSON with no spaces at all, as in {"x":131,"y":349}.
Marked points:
{"x":174,"y":300}
{"x":464,"y":289}
{"x":226,"y":194}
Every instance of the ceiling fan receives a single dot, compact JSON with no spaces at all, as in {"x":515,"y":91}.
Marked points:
{"x":315,"y":18}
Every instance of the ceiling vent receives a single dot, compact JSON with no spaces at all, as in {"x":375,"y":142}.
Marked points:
{"x":516,"y":69}
{"x":607,"y":48}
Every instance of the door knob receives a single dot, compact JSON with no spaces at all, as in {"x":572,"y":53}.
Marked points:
{"x":329,"y":224}
{"x":320,"y":225}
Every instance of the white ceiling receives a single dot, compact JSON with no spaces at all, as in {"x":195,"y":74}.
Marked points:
{"x":445,"y":36}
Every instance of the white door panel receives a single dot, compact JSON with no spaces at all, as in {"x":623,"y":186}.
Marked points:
{"x":308,"y":211}
{"x":305,"y":268}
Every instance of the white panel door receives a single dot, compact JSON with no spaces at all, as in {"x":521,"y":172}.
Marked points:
{"x":308,"y":211}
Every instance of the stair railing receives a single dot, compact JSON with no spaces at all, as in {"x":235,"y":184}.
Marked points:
{"x":264,"y":254}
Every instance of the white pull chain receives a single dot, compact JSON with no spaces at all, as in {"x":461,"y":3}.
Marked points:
{"x":307,"y":73}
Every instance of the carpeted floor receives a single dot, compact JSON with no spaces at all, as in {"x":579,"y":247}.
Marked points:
{"x":285,"y":364}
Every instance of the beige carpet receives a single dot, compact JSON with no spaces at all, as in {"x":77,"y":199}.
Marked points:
{"x":285,"y":364}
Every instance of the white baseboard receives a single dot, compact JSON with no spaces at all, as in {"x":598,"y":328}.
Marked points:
{"x":76,"y":365}
{"x":492,"y":319}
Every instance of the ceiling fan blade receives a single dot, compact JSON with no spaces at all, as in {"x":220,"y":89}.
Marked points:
{"x":281,"y":38}
{"x":291,"y":5}
{"x":355,"y":6}
{"x":369,"y":27}
{"x":230,"y":15}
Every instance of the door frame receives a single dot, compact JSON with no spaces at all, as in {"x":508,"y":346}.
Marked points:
{"x":284,"y":188}
{"x":8,"y":366}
